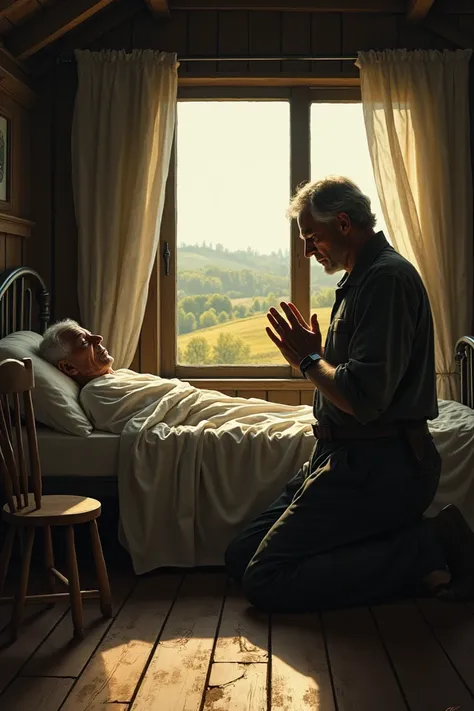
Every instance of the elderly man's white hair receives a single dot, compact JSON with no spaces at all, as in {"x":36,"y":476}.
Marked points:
{"x":53,"y":348}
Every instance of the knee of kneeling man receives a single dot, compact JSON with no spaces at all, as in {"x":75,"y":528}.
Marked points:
{"x":257,"y":590}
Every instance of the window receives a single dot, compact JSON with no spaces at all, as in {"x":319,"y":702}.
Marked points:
{"x":233,"y":259}
{"x":233,"y":253}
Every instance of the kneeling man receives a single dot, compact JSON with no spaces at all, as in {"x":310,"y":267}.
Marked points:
{"x":349,"y":528}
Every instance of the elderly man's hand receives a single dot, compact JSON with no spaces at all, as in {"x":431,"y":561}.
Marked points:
{"x":297,"y":339}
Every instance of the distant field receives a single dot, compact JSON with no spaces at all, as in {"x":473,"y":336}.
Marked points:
{"x":252,"y":331}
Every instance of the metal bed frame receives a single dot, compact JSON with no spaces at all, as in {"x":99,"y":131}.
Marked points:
{"x":24,"y":301}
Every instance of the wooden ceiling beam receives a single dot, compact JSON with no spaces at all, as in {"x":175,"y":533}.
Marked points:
{"x":5,"y":5}
{"x":50,"y":25}
{"x":14,"y":80}
{"x":158,"y":7}
{"x":418,"y":9}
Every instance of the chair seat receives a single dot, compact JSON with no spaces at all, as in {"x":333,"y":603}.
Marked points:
{"x":56,"y":510}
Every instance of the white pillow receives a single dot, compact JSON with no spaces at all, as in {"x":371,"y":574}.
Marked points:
{"x":55,"y":396}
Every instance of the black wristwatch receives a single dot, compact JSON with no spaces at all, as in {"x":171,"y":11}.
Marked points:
{"x":308,"y":361}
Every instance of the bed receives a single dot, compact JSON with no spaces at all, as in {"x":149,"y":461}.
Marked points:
{"x":25,"y":306}
{"x":89,"y":465}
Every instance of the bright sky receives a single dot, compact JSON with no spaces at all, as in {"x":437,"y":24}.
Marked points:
{"x":233,"y":168}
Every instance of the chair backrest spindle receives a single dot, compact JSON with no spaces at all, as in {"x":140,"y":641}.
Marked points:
{"x":20,"y":450}
{"x":16,"y":378}
{"x":6,"y":443}
{"x":33,"y":448}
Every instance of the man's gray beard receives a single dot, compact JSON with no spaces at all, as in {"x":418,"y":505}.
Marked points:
{"x":333,"y":268}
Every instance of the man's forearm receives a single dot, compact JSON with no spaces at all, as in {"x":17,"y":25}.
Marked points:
{"x":322,"y":375}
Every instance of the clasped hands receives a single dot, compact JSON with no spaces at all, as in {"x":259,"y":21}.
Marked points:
{"x":296,"y":339}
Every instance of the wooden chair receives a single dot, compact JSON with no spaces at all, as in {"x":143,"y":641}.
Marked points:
{"x":27,"y":512}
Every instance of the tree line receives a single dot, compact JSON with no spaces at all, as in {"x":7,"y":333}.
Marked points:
{"x":234,"y":283}
{"x":228,"y":350}
{"x":206,"y":310}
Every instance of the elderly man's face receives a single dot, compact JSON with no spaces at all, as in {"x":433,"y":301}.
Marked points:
{"x":88,"y":358}
{"x":326,"y":241}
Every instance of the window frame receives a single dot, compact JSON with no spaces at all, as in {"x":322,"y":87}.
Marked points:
{"x":300,"y":99}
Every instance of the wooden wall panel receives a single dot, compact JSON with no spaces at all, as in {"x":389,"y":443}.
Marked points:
{"x":265,"y":40}
{"x":39,"y":247}
{"x":203,"y":30}
{"x":259,"y":394}
{"x":296,"y":39}
{"x":367,"y":32}
{"x":233,"y":40}
{"x":120,"y":37}
{"x":3,"y":253}
{"x":19,"y":206}
{"x":326,"y":38}
{"x":284,"y":397}
{"x":13,"y":251}
{"x":167,"y":34}
{"x":64,"y":232}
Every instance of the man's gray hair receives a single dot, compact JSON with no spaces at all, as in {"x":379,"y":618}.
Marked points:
{"x":53,"y":348}
{"x":331,"y":196}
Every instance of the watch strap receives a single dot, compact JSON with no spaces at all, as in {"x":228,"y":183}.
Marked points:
{"x":308,"y":361}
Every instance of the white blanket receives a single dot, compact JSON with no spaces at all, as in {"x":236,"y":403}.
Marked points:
{"x":195,"y":465}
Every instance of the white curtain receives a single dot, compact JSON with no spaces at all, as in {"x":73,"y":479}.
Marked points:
{"x":416,"y":109}
{"x":123,"y":129}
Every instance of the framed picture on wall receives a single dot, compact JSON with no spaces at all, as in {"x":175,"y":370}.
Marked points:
{"x":5,"y":161}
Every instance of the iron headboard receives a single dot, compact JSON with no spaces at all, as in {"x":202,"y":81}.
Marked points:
{"x":24,"y":301}
{"x":465,"y":363}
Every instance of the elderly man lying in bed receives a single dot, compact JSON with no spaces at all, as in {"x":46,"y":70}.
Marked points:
{"x":349,"y":527}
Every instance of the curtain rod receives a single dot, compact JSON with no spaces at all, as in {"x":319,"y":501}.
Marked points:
{"x":286,"y":58}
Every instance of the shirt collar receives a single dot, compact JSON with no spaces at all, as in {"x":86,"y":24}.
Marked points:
{"x":366,"y":256}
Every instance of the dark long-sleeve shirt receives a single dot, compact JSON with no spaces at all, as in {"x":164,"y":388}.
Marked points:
{"x":381,"y":342}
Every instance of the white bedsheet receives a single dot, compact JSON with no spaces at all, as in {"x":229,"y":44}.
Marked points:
{"x":195,"y":464}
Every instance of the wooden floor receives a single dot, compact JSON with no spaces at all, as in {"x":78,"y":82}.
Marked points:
{"x":191,"y":643}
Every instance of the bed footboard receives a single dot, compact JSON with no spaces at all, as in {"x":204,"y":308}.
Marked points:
{"x":464,"y":355}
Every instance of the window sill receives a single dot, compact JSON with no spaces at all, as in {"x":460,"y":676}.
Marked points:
{"x":242,"y":384}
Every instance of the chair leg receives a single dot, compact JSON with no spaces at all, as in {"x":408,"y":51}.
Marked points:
{"x":6,"y":555}
{"x":20,"y":597}
{"x":49,"y":558}
{"x":101,"y":571}
{"x":74,"y":586}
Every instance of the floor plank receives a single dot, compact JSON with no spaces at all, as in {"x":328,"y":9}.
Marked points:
{"x":37,"y":624}
{"x":300,"y":673}
{"x":453,"y":626}
{"x":429,"y":681}
{"x":241,"y":689}
{"x":176,"y":677}
{"x":114,"y":670}
{"x":62,"y":655}
{"x":243,"y":632}
{"x":39,"y":694}
{"x":362,"y":676}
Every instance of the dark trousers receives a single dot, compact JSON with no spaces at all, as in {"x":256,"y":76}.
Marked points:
{"x":347,"y":530}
